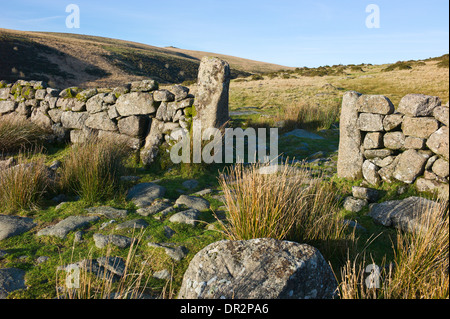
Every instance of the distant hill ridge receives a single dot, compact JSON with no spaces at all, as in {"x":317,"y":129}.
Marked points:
{"x":65,"y":59}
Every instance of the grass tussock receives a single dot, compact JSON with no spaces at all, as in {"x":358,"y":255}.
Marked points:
{"x":23,"y":186}
{"x":84,"y":281}
{"x":92,"y":170}
{"x":17,"y":133}
{"x":287,"y":205}
{"x":419,"y":271}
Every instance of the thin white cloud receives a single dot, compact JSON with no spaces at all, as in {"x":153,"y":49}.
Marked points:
{"x":40,"y":20}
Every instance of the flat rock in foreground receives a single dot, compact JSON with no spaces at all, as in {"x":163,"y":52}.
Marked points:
{"x":258,"y":269}
{"x":403,"y":214}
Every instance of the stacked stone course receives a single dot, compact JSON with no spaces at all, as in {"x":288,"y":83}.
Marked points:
{"x":382,"y":144}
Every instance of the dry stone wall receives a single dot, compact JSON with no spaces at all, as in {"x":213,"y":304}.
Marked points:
{"x":125,"y":113}
{"x":138,"y":113}
{"x":381,"y":143}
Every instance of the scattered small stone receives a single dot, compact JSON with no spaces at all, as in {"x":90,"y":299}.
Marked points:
{"x":102,"y":241}
{"x":143,"y":195}
{"x":190,"y":184}
{"x":106,"y":224}
{"x":78,"y":236}
{"x":129,"y":178}
{"x":162,"y":274}
{"x":42,"y":259}
{"x":355,"y":205}
{"x":108,"y":212}
{"x":353,"y":224}
{"x":189,"y":217}
{"x":67,"y":225}
{"x":61,"y":198}
{"x":116,"y":265}
{"x":369,"y":194}
{"x":168,"y":232}
{"x":177,"y":253}
{"x":135,"y":223}
{"x":93,"y":266}
{"x":197,"y":203}
{"x":204,"y":192}
{"x":155,"y":208}
{"x":161,"y":215}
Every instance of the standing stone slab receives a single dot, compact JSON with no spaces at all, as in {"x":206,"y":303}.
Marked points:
{"x":350,"y":158}
{"x":212,"y":94}
{"x":13,"y":226}
{"x":258,"y":269}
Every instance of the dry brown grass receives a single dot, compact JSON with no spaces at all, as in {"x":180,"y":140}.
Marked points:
{"x":420,"y":269}
{"x":17,"y":133}
{"x":317,"y":91}
{"x":92,"y":170}
{"x":133,"y":284}
{"x":289,"y":205}
{"x":24,"y":185}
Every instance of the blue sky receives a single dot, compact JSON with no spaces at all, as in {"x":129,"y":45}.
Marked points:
{"x":287,"y":32}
